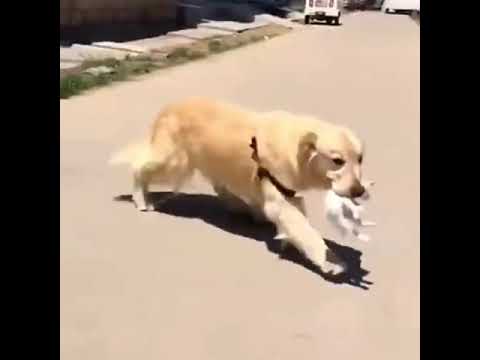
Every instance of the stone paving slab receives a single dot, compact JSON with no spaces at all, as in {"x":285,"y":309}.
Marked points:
{"x":199,"y":33}
{"x":121,"y":46}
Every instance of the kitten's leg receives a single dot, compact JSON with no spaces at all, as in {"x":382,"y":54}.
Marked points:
{"x":361,"y":236}
{"x":346,"y":225}
{"x":356,"y":214}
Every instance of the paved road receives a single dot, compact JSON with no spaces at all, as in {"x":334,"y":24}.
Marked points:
{"x":195,"y":284}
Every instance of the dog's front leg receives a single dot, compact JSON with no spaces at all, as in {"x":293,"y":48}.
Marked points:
{"x":299,"y":203}
{"x":300,"y":233}
{"x":232,"y":202}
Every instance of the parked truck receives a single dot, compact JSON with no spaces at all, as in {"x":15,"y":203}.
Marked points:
{"x":322,"y":10}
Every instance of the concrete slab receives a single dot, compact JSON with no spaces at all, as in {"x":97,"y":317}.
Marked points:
{"x":199,"y":33}
{"x":92,"y":52}
{"x":161,"y":42}
{"x":233,"y":26}
{"x":295,"y":15}
{"x":67,"y":54}
{"x":98,"y":70}
{"x":270,"y":19}
{"x":121,"y":46}
{"x":65,"y":65}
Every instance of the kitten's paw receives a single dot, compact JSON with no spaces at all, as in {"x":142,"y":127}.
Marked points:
{"x":363,"y":237}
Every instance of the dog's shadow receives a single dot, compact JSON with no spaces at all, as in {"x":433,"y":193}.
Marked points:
{"x":212,"y":210}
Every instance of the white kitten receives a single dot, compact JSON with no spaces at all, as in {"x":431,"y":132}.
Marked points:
{"x":345,"y":214}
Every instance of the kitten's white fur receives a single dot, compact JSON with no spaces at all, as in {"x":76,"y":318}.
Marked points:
{"x":345,"y":214}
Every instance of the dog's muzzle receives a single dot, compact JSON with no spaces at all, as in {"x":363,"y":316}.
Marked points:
{"x":357,"y":190}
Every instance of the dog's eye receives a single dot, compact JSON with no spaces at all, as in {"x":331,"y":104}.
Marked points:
{"x":338,"y":161}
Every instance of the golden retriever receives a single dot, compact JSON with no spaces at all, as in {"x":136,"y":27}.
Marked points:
{"x":211,"y":137}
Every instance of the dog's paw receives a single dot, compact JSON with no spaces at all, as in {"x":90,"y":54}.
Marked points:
{"x":333,"y":265}
{"x":334,"y":269}
{"x":146,"y":207}
{"x":280,"y":236}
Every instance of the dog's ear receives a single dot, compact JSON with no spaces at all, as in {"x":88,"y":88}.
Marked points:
{"x":307,"y":148}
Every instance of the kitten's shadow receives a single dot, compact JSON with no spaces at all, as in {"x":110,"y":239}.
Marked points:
{"x":212,"y":210}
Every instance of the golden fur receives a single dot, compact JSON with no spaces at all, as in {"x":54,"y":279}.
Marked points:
{"x":213,"y":138}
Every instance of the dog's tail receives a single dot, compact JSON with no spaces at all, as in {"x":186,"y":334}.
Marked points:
{"x":136,"y":155}
{"x":169,"y":164}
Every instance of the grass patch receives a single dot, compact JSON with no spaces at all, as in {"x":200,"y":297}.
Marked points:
{"x":73,"y":84}
{"x":183,"y":54}
{"x":216,"y":46}
{"x":79,"y":80}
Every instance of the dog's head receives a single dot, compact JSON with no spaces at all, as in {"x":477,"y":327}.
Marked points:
{"x":334,"y":159}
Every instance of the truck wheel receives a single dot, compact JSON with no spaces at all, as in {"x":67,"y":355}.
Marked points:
{"x":307,"y":19}
{"x":329,"y":21}
{"x":337,"y":21}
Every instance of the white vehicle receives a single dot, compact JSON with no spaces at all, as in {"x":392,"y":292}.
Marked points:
{"x":391,"y":6}
{"x":322,"y":10}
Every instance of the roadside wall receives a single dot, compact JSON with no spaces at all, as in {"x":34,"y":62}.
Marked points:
{"x":90,"y":12}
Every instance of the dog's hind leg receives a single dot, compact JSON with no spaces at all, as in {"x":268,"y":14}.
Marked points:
{"x":178,"y":184}
{"x":140,"y":191}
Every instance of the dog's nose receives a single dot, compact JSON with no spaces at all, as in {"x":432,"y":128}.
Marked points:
{"x":357,"y":191}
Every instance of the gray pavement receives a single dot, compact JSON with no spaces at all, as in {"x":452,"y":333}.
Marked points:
{"x":196,"y":285}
